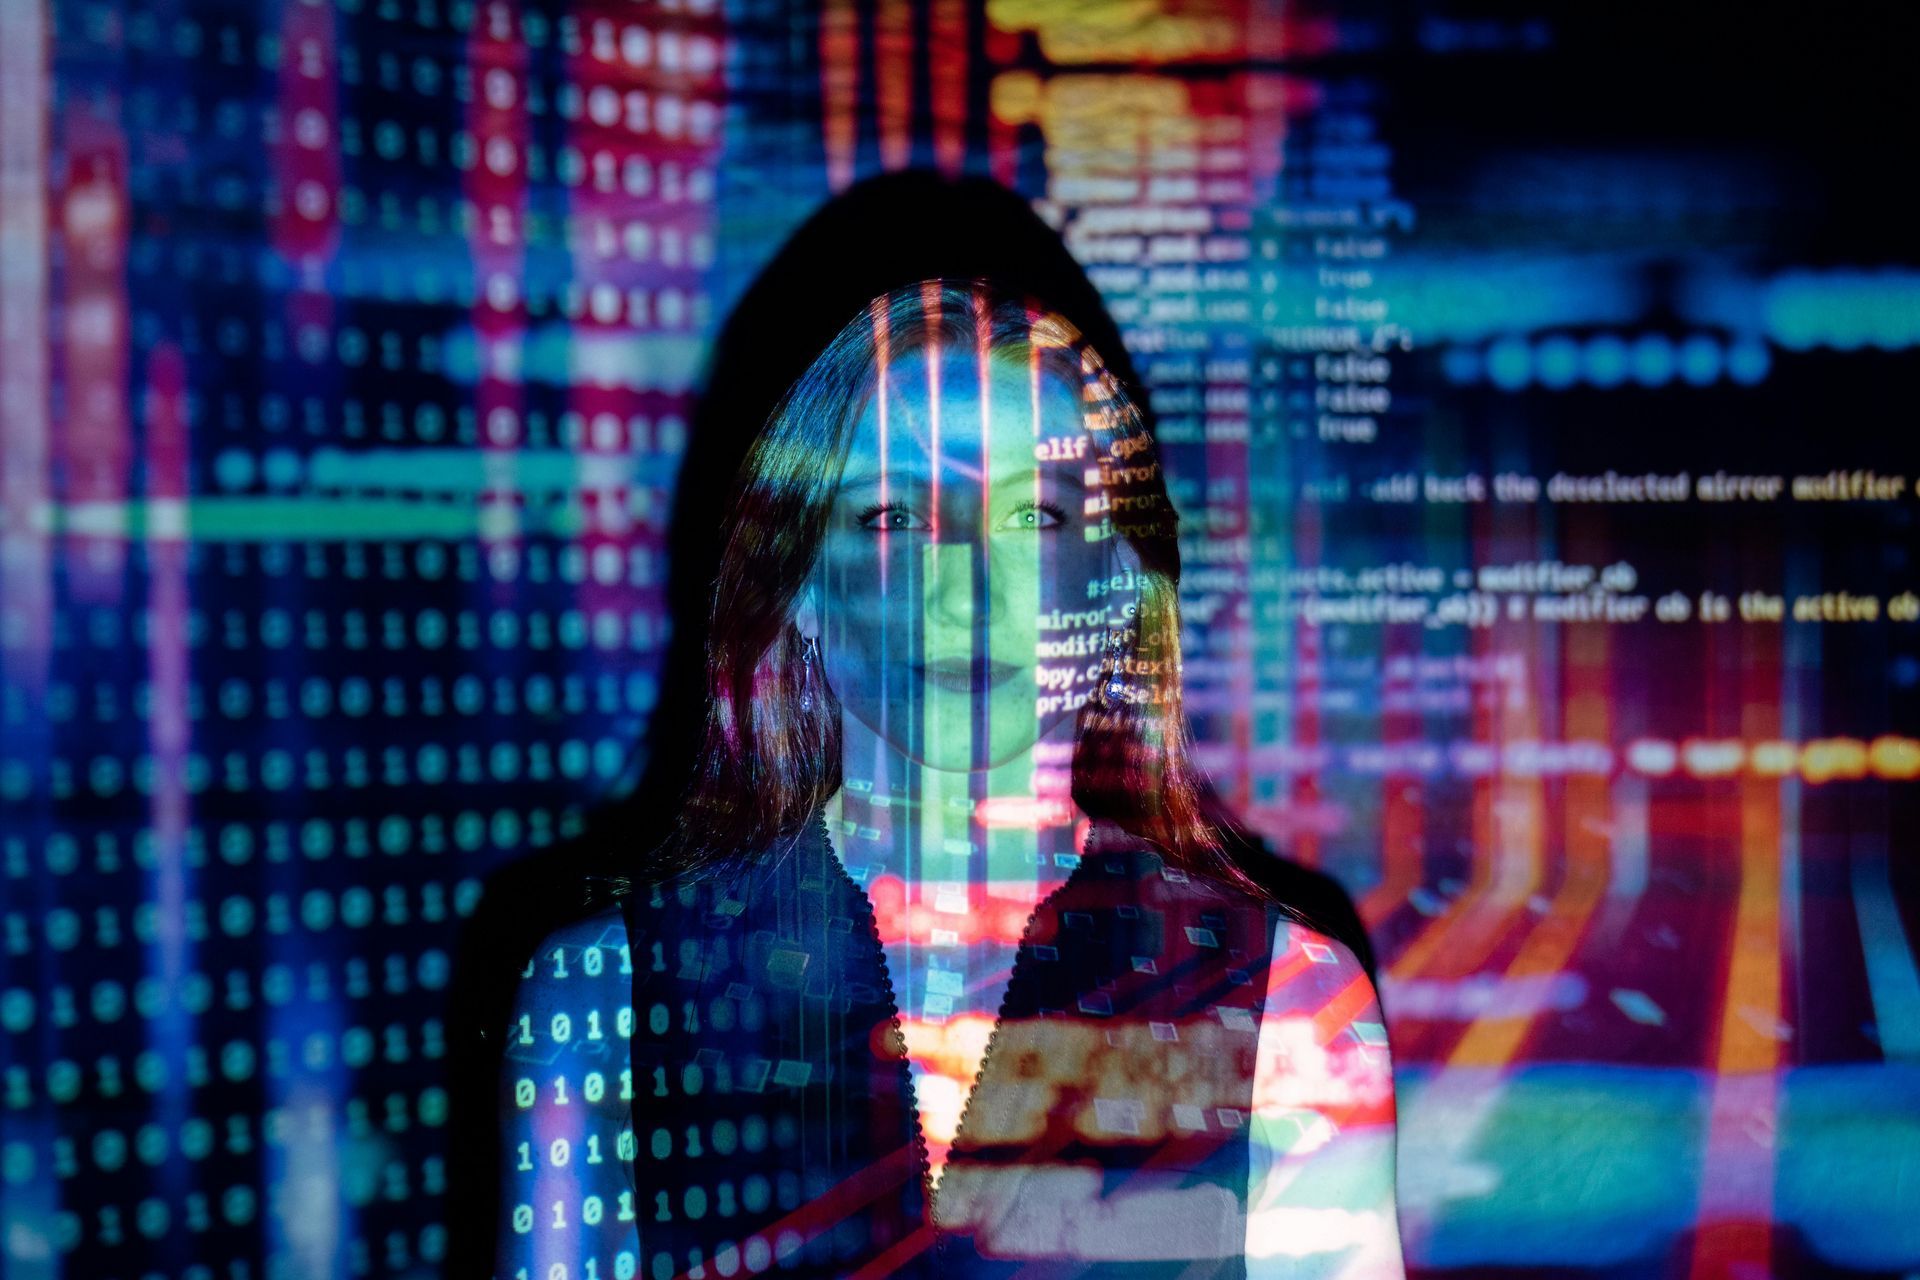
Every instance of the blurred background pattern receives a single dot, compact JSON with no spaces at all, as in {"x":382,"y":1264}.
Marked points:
{"x":1528,"y":376}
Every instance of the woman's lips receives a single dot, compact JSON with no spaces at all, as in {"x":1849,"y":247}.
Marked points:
{"x":965,"y":675}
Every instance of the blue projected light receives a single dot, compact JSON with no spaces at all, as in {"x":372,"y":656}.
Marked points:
{"x":1651,"y":360}
{"x":1510,"y":363}
{"x":1463,"y":364}
{"x":1700,"y":359}
{"x":1561,"y":362}
{"x":235,"y":468}
{"x":1606,"y":360}
{"x":1844,"y":309}
{"x":1557,"y":360}
{"x":1801,"y":309}
{"x":1748,"y":362}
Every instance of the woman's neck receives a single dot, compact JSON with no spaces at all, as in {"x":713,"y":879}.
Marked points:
{"x":1005,"y":829}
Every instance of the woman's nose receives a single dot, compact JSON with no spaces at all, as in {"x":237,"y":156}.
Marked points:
{"x":949,"y":571}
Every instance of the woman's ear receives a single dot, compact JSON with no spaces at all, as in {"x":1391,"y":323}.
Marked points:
{"x":1123,"y":582}
{"x":806,"y":612}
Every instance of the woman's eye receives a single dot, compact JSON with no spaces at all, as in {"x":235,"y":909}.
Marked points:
{"x":892,"y":517}
{"x":1034,"y":515}
{"x":888,"y":516}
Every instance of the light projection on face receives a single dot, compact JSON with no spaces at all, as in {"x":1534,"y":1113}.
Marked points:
{"x":959,"y":557}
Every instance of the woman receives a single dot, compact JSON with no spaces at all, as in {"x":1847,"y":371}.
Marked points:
{"x":943,"y":969}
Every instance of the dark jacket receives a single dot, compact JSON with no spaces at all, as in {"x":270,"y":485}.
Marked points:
{"x":767,"y":1121}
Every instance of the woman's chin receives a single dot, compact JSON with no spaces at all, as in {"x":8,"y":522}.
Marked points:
{"x":954,"y":753}
{"x":962,"y":761}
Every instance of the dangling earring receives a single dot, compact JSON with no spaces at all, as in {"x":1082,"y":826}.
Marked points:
{"x":1112,"y":687}
{"x":809,"y":653}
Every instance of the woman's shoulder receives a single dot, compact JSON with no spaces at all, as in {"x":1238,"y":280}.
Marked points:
{"x":590,"y":926}
{"x":1315,"y":949}
{"x":1301,"y":935}
{"x":587,"y":951}
{"x":1315,"y":980}
{"x":1305,"y":954}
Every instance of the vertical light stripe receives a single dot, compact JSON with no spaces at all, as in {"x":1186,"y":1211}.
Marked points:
{"x":1891,"y":978}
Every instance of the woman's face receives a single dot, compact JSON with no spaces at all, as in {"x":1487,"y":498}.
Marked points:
{"x":962,"y":584}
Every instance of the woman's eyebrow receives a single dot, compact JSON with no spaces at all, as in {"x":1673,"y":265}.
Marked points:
{"x":892,"y":475}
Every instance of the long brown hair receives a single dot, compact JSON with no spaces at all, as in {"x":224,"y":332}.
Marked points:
{"x":767,"y":759}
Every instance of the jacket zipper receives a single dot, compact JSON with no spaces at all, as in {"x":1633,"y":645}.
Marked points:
{"x":899,"y":1041}
{"x":999,"y":1020}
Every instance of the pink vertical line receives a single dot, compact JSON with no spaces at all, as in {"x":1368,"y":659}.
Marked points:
{"x":1509,"y":846}
{"x":1278,"y":32}
{"x":304,"y":170}
{"x":930,"y":306}
{"x":982,"y":343}
{"x":1042,"y":786}
{"x":893,"y":67}
{"x":304,"y":226}
{"x":982,"y":352}
{"x":1266,"y":110}
{"x":1033,"y":416}
{"x":1554,"y":936}
{"x":95,"y":441}
{"x":1517,"y":866}
{"x":839,"y":88}
{"x":948,"y":73}
{"x":496,"y":185}
{"x":1429,"y":946}
{"x":1736,"y":1207}
{"x":1271,"y":100}
{"x":304,"y":167}
{"x":597,"y":217}
{"x":1034,"y":367}
{"x":1402,"y":794}
{"x":1237,"y":455}
{"x":883,"y":356}
{"x":883,"y":359}
{"x":660,"y":59}
{"x":169,"y":726}
{"x":1002,"y":48}
{"x":930,"y":301}
{"x":1264,"y":123}
{"x":27,"y":523}
{"x":26,"y":508}
{"x":1304,"y":790}
{"x":1306,"y":818}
